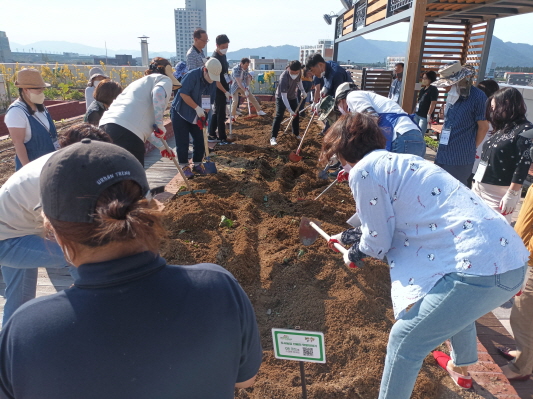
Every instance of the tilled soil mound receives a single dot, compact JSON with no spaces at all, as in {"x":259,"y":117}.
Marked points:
{"x":265,"y":195}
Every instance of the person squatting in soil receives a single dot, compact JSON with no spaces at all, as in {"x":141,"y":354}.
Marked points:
{"x":188,"y":116}
{"x":30,"y":125}
{"x":287,"y":99}
{"x":402,"y":135}
{"x":131,"y":117}
{"x":446,"y":248}
{"x":23,"y":245}
{"x":139,"y":327}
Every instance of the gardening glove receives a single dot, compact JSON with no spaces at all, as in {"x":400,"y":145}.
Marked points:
{"x":201,"y":122}
{"x":200,"y":112}
{"x":347,"y":261}
{"x":315,"y":108}
{"x":342,"y":176}
{"x":509,"y":201}
{"x":159,"y":131}
{"x":304,"y":94}
{"x":246,"y":93}
{"x":323,"y":92}
{"x":226,"y":93}
{"x":166,"y":154}
{"x":337,"y":238}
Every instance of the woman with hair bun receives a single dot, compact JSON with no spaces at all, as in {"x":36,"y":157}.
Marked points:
{"x":139,"y":328}
{"x":505,"y":158}
{"x":440,"y":242}
{"x":130,"y":118}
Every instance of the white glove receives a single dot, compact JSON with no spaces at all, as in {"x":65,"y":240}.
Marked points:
{"x":324,"y":91}
{"x":304,"y":94}
{"x":291,"y":112}
{"x":199,"y":111}
{"x":226,"y":93}
{"x":246,"y":93}
{"x":315,"y":107}
{"x":509,"y":202}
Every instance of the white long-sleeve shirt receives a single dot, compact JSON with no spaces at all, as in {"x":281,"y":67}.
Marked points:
{"x":427,"y":224}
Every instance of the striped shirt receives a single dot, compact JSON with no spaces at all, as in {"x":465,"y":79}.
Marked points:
{"x":195,"y":58}
{"x":462,"y":118}
{"x":238,"y":72}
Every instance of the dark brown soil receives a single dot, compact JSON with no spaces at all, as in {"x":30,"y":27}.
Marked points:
{"x":290,"y":285}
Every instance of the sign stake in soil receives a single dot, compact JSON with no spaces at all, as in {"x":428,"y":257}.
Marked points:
{"x":295,"y":157}
{"x":301,"y":346}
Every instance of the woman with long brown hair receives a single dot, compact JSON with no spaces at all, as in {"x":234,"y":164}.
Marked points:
{"x":439,"y":240}
{"x":130,"y":118}
{"x":131,"y":326}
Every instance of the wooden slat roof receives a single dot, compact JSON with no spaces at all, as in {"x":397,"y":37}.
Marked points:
{"x":475,"y":10}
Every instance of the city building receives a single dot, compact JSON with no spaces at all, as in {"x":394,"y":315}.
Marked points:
{"x":188,"y":19}
{"x":324,"y":47}
{"x":392,"y":61}
{"x":518,"y":78}
{"x":119,"y":60}
{"x":269,"y":64}
{"x":5,"y":50}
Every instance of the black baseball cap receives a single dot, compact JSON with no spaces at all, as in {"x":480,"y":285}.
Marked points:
{"x":74,"y":178}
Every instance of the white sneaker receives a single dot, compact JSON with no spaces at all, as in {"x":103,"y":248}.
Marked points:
{"x":273,"y":141}
{"x":261,"y":113}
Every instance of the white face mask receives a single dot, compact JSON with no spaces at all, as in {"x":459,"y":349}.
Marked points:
{"x":96,"y":83}
{"x":223,"y":50}
{"x":293,"y":76}
{"x":36,"y":98}
{"x":207,"y":78}
{"x":347,"y":167}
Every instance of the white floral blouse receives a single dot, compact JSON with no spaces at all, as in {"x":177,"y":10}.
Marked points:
{"x":427,"y":224}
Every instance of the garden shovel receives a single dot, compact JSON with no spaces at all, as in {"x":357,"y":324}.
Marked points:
{"x":209,"y":166}
{"x":189,"y":188}
{"x":303,"y":110}
{"x":295,"y":156}
{"x":327,"y":189}
{"x":309,"y":232}
{"x":292,"y":117}
{"x":250,"y":115}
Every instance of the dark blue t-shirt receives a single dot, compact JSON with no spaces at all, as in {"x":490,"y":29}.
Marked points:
{"x":133,"y":328}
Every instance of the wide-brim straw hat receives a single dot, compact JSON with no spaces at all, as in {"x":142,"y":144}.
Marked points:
{"x":94,"y":72}
{"x":30,"y":78}
{"x":453,"y":73}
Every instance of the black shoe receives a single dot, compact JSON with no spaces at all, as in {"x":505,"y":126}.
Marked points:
{"x":211,"y":139}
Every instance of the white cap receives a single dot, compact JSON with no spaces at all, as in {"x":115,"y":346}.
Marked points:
{"x":214,"y":68}
{"x":343,"y":89}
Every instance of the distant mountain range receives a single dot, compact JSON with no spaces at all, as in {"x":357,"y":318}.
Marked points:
{"x":357,"y":50}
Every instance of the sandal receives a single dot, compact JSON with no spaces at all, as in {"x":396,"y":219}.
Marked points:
{"x":460,"y":380}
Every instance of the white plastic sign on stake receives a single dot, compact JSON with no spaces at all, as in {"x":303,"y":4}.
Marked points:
{"x":305,"y":346}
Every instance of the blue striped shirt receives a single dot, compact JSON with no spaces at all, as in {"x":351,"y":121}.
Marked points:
{"x":462,"y":118}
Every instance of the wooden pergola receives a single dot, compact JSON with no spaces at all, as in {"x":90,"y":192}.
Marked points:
{"x":440,"y":32}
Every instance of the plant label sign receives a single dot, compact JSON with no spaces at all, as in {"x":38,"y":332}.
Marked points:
{"x":306,"y":346}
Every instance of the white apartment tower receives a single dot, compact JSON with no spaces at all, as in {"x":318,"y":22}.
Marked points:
{"x":188,"y":19}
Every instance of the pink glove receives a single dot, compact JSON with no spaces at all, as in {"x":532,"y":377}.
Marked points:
{"x":166,"y":154}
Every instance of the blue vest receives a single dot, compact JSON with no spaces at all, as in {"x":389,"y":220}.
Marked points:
{"x":42,"y":141}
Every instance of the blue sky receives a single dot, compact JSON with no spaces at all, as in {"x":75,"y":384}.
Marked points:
{"x":248,"y":23}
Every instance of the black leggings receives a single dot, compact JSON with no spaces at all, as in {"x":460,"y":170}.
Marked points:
{"x":126,"y":139}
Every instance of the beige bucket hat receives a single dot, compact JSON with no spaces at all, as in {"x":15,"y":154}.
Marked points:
{"x":30,"y":78}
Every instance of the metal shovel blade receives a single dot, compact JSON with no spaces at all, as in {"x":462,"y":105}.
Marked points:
{"x":308,"y":235}
{"x":210,"y":167}
{"x":293,"y":157}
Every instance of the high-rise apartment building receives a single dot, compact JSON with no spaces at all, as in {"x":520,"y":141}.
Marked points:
{"x":188,"y":19}
{"x":5,"y":51}
{"x":324,"y":47}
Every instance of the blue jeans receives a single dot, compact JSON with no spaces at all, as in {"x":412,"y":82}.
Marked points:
{"x":410,"y":142}
{"x":20,"y":257}
{"x":448,"y":311}
{"x":422,"y":123}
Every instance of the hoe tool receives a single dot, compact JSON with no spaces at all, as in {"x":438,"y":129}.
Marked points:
{"x":309,"y":232}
